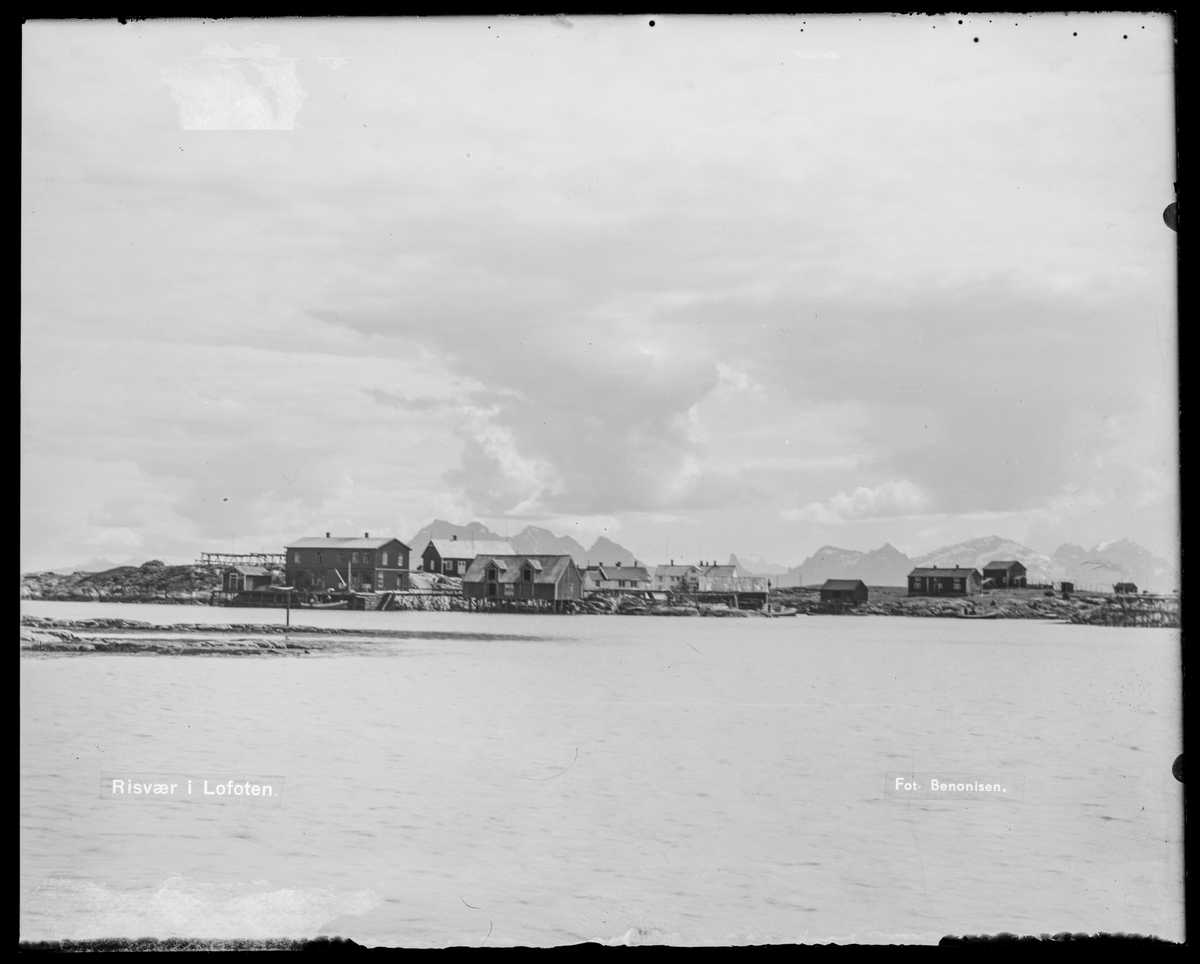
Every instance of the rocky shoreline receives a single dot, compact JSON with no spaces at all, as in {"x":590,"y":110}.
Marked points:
{"x":115,"y":635}
{"x":1093,"y":610}
{"x":119,"y":635}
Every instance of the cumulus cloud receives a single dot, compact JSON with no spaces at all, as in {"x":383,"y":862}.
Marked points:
{"x":896,"y":498}
{"x":475,"y":293}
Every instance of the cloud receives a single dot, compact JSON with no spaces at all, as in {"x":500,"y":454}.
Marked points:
{"x":897,"y":498}
{"x":224,"y":89}
{"x":682,"y":302}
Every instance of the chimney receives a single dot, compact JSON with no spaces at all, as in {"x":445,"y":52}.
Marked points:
{"x":618,"y":563}
{"x":366,"y":535}
{"x":326,"y":535}
{"x":454,"y":538}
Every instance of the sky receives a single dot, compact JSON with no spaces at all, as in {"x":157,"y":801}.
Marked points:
{"x":718,"y":285}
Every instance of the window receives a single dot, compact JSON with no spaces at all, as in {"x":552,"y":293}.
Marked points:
{"x":958,"y":585}
{"x":527,"y":574}
{"x":492,"y":573}
{"x":296,"y":558}
{"x":320,"y":558}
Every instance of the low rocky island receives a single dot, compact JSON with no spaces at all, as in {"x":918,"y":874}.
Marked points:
{"x":154,"y":582}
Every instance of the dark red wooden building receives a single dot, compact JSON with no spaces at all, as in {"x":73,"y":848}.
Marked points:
{"x":347,"y":563}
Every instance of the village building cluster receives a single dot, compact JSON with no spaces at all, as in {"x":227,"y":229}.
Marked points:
{"x":491,"y":572}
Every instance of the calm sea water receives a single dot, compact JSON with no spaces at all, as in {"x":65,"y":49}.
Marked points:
{"x":692,"y":781}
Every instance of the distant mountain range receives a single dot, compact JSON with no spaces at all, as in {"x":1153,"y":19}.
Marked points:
{"x":531,"y":540}
{"x":756,"y":566}
{"x":1102,"y":565}
{"x":1116,"y":561}
{"x":1119,"y":561}
{"x":977,"y":553}
{"x":885,"y":566}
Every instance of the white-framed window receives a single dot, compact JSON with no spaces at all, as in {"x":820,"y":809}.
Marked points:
{"x":296,"y":558}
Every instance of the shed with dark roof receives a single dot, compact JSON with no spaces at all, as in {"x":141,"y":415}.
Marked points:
{"x":844,"y":591}
{"x":246,"y":578}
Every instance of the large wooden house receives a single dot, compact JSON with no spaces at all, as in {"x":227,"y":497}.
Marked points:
{"x":453,"y":556}
{"x":716,"y":578}
{"x":347,"y":563}
{"x":1005,"y":574}
{"x":541,"y":582}
{"x":935,"y":581}
{"x":673,"y":578}
{"x":616,"y":578}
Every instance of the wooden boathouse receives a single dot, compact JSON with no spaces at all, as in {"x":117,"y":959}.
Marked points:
{"x":519,"y":582}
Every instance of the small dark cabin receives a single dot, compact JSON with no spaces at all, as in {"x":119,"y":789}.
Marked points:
{"x":246,"y":578}
{"x":844,"y":591}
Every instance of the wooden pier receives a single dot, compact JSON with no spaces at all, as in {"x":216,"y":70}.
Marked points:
{"x":223,"y":559}
{"x":734,"y":600}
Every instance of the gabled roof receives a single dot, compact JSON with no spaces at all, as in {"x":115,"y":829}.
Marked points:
{"x":250,"y":570}
{"x":620,"y":573}
{"x":674,"y":570}
{"x":954,"y":572}
{"x":337,"y":542}
{"x":1002,"y":564}
{"x":843,"y":584}
{"x":547,"y":570}
{"x":469,"y":548}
